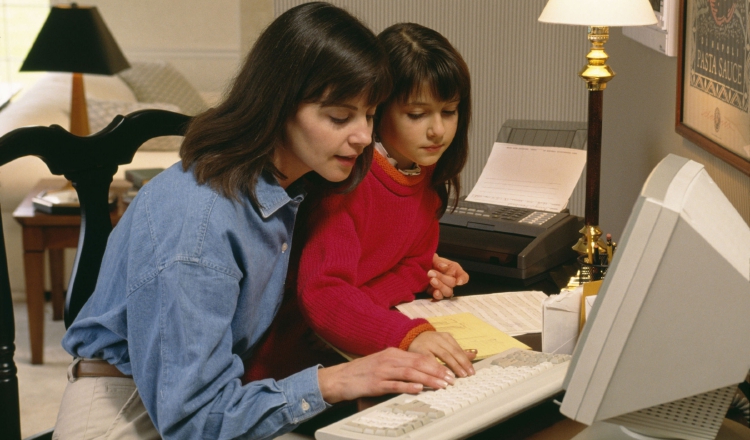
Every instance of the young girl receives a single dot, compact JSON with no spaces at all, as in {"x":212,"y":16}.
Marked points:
{"x":194,"y":271}
{"x":370,"y":249}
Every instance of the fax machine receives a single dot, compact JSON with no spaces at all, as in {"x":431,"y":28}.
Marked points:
{"x":505,"y":241}
{"x":514,"y":242}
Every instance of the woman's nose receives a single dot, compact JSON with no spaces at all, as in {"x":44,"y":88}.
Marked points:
{"x":361,"y":136}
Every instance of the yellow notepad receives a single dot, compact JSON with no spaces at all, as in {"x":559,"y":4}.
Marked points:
{"x":471,"y":332}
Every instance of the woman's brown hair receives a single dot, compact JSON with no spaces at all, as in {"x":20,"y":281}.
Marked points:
{"x":315,"y":52}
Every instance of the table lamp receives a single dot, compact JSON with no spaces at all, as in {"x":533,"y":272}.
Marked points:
{"x":75,"y":39}
{"x":598,"y":15}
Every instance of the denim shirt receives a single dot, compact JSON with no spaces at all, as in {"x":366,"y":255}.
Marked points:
{"x":189,"y":283}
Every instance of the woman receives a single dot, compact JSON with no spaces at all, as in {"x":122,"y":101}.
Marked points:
{"x":194,"y":271}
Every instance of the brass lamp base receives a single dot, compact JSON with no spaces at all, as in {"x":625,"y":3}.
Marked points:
{"x":597,"y":73}
{"x":590,"y":235}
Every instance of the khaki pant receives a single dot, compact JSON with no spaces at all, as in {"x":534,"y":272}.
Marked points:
{"x":102,"y":408}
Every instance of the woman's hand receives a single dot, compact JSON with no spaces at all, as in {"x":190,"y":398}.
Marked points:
{"x":442,"y":346}
{"x":389,"y":371}
{"x":444,"y":276}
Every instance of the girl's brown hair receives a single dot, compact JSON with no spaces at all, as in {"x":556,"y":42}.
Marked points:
{"x":420,"y":56}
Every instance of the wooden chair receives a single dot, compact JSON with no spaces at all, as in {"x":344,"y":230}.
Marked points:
{"x":90,"y":164}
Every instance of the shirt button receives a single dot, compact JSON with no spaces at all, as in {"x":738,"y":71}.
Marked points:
{"x":305,"y":405}
{"x":284,"y":247}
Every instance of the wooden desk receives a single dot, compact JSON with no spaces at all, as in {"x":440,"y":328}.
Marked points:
{"x":54,"y":233}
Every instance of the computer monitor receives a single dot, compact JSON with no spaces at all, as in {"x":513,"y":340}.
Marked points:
{"x":668,"y":338}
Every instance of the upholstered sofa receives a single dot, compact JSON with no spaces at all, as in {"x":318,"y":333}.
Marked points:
{"x":154,"y":84}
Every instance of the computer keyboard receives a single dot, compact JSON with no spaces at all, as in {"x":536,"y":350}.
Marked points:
{"x":503,"y":386}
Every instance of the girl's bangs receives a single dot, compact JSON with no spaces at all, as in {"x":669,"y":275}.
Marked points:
{"x":440,"y":81}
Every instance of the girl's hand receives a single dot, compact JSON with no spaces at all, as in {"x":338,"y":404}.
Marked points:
{"x":389,"y":371}
{"x":442,"y":346}
{"x":444,"y":276}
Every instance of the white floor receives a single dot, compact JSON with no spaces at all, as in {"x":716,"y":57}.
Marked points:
{"x":41,"y":386}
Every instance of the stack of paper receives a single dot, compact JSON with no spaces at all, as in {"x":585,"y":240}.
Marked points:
{"x":514,"y":313}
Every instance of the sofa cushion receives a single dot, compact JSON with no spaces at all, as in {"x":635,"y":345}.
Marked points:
{"x":105,"y":87}
{"x":159,"y":81}
{"x":102,"y":112}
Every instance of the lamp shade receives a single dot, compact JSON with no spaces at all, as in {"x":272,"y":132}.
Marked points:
{"x":75,"y":39}
{"x":599,"y":12}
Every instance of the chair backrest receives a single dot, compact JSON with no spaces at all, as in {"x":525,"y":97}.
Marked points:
{"x":89,"y":163}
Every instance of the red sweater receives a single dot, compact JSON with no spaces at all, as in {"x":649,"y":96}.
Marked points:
{"x":366,"y":252}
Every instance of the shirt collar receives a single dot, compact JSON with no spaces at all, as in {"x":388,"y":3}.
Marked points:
{"x":413,"y":171}
{"x":271,"y":196}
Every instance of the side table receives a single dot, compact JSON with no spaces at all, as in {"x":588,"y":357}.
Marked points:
{"x":40,"y":232}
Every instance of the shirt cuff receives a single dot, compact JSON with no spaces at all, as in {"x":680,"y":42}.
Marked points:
{"x":303,"y":396}
{"x":413,"y":333}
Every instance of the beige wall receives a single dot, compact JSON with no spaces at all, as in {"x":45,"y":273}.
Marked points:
{"x":204,"y":39}
{"x":254,"y":17}
{"x":639,"y":119}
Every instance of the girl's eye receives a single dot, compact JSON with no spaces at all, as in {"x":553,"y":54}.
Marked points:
{"x":415,"y":115}
{"x":450,"y":112}
{"x":370,"y":117}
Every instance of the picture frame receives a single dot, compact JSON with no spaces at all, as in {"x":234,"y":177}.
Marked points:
{"x":713,"y":78}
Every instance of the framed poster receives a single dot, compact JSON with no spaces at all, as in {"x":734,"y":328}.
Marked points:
{"x":713,"y":78}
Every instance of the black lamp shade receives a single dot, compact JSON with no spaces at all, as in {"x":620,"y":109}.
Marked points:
{"x":75,"y":39}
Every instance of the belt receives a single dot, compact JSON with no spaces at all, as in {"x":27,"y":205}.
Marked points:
{"x":96,"y":368}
